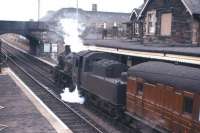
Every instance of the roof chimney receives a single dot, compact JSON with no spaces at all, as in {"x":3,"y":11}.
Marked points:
{"x":94,"y":7}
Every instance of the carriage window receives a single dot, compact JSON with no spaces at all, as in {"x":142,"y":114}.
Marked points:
{"x":187,"y":105}
{"x":140,"y":88}
{"x":199,"y":115}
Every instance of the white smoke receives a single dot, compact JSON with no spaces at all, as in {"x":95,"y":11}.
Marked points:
{"x":73,"y":30}
{"x":72,"y":97}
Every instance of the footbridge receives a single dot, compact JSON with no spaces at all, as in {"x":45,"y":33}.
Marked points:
{"x":25,"y":28}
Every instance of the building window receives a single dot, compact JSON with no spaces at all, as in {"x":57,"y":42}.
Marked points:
{"x":196,"y":32}
{"x":166,"y":24}
{"x":187,"y":105}
{"x":151,"y":22}
{"x":136,"y":28}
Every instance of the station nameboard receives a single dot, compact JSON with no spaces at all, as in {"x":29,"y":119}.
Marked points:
{"x":47,"y":48}
{"x":54,"y":48}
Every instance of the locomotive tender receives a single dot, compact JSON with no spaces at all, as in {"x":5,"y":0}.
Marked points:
{"x":161,"y":95}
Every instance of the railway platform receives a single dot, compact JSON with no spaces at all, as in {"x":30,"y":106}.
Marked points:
{"x":170,"y":52}
{"x":187,"y":49}
{"x":43,"y":59}
{"x":18,"y":110}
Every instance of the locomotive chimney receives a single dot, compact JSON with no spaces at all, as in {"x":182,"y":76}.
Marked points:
{"x":94,"y":7}
{"x":67,"y":49}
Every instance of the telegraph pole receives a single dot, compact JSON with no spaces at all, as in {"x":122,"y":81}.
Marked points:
{"x":38,"y":10}
{"x":77,"y":14}
{"x":77,"y":9}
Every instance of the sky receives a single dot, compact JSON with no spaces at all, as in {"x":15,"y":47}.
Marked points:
{"x":28,"y":9}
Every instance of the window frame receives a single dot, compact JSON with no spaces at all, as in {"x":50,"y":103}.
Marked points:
{"x":195,"y":32}
{"x":136,"y":28}
{"x":190,"y":96}
{"x":151,"y":21}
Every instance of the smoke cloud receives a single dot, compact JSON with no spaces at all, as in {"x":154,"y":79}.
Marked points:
{"x":72,"y":97}
{"x":73,"y":30}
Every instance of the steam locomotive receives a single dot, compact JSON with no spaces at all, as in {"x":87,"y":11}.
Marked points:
{"x":164,"y":97}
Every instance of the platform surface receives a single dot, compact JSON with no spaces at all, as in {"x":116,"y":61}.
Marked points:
{"x":19,"y":115}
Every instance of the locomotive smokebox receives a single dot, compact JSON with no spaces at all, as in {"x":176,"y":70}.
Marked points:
{"x":67,"y":49}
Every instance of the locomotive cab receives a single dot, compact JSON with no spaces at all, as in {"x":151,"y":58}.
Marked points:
{"x":98,"y":77}
{"x":77,"y":67}
{"x":82,"y":62}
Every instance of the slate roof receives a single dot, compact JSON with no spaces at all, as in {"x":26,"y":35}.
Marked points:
{"x":87,"y":17}
{"x":178,"y":76}
{"x":136,"y":12}
{"x":193,"y":6}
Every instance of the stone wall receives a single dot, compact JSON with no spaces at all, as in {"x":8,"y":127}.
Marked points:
{"x":181,"y":32}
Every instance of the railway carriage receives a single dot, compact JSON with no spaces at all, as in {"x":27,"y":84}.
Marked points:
{"x":165,"y":95}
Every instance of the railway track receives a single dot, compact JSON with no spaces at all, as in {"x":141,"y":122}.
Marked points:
{"x":34,"y":76}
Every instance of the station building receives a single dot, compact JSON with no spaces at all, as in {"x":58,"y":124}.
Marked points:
{"x":174,"y":22}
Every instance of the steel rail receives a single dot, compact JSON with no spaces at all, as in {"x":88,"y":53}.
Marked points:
{"x":55,"y":96}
